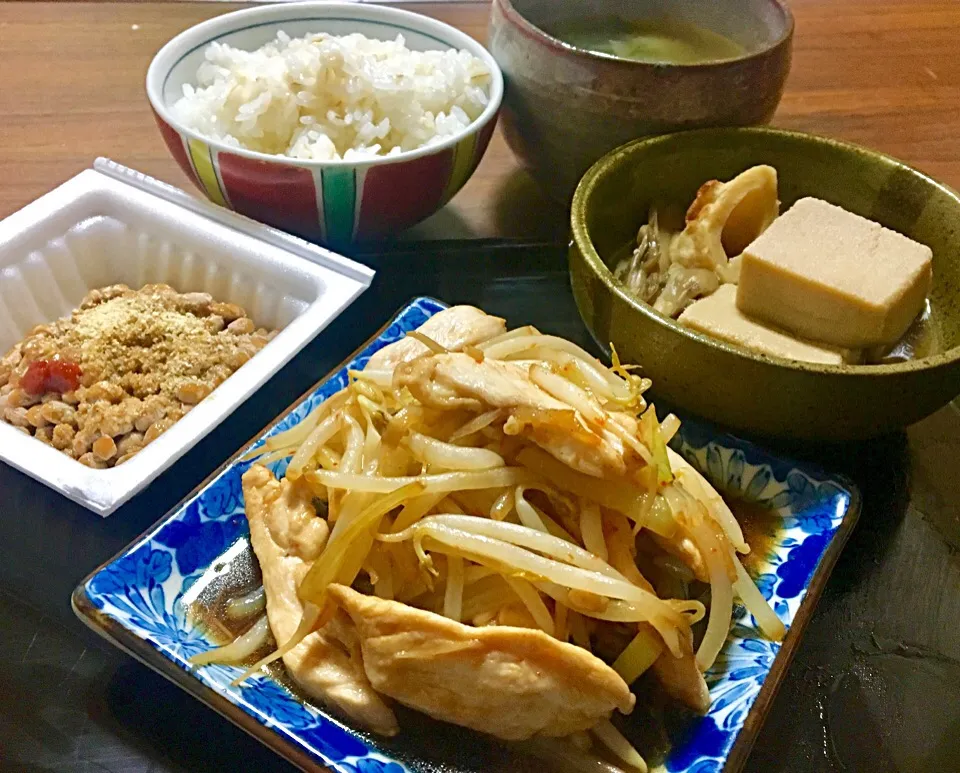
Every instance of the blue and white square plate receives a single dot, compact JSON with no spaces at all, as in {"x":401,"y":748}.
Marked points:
{"x":799,"y":519}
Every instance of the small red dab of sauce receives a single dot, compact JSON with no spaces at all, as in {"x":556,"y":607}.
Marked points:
{"x":54,"y":375}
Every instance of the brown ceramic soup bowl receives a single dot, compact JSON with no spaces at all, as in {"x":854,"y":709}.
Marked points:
{"x":724,"y":383}
{"x":564,"y":107}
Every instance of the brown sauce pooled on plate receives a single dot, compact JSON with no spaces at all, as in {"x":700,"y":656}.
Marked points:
{"x":760,"y":526}
{"x":232,"y":575}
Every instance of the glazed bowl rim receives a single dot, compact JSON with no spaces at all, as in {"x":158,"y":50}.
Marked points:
{"x":564,"y":48}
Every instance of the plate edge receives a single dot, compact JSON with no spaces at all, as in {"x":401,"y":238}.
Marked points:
{"x":126,"y":642}
{"x":754,"y":721}
{"x":746,"y":737}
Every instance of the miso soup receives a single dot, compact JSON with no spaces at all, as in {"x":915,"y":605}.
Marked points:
{"x":668,"y":41}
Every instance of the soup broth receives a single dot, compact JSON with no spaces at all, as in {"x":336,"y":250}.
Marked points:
{"x":668,"y":41}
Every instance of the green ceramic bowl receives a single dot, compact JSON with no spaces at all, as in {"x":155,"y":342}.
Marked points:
{"x":732,"y":386}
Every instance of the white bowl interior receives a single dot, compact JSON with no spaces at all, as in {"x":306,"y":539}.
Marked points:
{"x":98,"y":240}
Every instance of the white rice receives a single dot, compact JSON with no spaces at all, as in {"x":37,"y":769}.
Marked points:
{"x":325,"y":97}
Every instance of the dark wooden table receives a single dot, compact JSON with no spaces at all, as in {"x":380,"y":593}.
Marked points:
{"x":875,"y":685}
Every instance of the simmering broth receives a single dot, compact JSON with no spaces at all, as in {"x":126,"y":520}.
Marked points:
{"x":924,"y":338}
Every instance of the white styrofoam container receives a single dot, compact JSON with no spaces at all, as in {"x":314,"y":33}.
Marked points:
{"x":112,"y":225}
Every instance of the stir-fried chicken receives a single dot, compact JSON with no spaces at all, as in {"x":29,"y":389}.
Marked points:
{"x":682,"y":680}
{"x":683,"y":547}
{"x":514,"y":683}
{"x":457,"y":380}
{"x":287,"y":536}
{"x":453,"y":328}
{"x":436,"y":451}
{"x":457,"y":377}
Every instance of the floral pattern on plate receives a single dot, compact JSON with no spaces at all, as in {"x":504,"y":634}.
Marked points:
{"x":140,"y":592}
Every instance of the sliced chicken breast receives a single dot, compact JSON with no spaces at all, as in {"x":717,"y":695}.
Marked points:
{"x":513,"y":683}
{"x":456,"y":380}
{"x":452,"y":328}
{"x":683,"y":681}
{"x":287,"y":535}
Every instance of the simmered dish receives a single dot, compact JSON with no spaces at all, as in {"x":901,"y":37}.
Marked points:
{"x":487,"y":526}
{"x":108,"y":380}
{"x":817,"y":283}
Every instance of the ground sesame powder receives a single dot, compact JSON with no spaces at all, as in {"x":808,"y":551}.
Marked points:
{"x":146,"y":358}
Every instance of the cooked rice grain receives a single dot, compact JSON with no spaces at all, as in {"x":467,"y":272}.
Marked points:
{"x":324,"y":97}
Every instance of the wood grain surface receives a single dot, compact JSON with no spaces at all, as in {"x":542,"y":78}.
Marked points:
{"x":875,"y":685}
{"x":884,"y":74}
